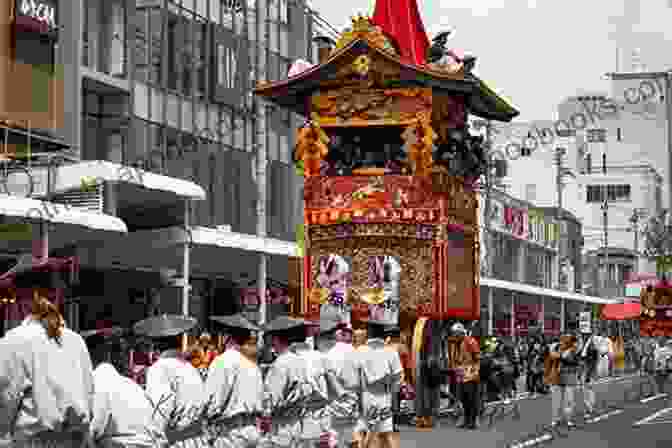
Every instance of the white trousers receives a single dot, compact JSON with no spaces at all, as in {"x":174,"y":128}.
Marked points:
{"x":562,"y":402}
{"x":243,"y":437}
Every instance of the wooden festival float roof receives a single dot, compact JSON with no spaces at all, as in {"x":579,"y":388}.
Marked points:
{"x":376,"y":76}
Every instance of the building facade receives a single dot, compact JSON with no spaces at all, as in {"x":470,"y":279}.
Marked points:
{"x":165,"y":86}
{"x":528,"y":266}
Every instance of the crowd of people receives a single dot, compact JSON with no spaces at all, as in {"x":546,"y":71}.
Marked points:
{"x":314,"y":383}
{"x":59,"y":388}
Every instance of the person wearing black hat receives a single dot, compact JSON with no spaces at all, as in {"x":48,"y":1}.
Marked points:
{"x":175,"y":387}
{"x":342,"y":362}
{"x":290,"y":382}
{"x":46,"y":376}
{"x":235,"y":385}
{"x":315,"y":425}
{"x":381,"y":375}
{"x":122,"y":415}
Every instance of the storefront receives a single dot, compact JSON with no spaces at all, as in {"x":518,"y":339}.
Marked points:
{"x":518,"y":309}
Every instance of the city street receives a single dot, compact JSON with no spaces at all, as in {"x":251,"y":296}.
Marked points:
{"x":612,"y":427}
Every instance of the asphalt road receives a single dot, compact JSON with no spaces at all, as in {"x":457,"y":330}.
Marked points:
{"x":621,"y":406}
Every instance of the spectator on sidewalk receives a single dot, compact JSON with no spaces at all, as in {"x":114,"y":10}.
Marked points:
{"x":468,"y":361}
{"x":562,"y":374}
{"x":590,"y":358}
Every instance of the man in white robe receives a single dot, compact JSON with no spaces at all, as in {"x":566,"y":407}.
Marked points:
{"x":177,"y":393}
{"x":235,"y":388}
{"x":343,"y":362}
{"x":46,"y":381}
{"x":381,"y":375}
{"x":122,"y":416}
{"x":291,"y":387}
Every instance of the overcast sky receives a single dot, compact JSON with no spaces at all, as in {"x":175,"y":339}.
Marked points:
{"x":537,"y":52}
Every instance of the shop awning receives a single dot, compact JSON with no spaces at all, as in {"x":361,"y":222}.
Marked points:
{"x":69,"y":177}
{"x":32,"y":209}
{"x":535,"y":290}
{"x":213,"y":252}
{"x":621,"y":311}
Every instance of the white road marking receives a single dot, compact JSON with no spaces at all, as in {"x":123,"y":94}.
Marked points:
{"x":653,"y":416}
{"x":532,"y":442}
{"x":655,"y":397}
{"x":605,"y":416}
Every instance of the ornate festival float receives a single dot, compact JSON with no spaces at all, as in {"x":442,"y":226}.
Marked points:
{"x":390,"y":170}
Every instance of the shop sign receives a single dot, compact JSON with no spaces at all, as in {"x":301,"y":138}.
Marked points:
{"x":585,"y":322}
{"x":516,"y":221}
{"x":43,"y":11}
{"x":497,"y":216}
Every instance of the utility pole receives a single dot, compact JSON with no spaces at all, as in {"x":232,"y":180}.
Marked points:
{"x":559,"y":184}
{"x":487,"y":214}
{"x":634,"y":221}
{"x":605,"y":217}
{"x":259,"y":112}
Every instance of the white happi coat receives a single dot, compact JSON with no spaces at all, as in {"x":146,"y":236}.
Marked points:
{"x":122,"y":415}
{"x":381,"y":374}
{"x":44,"y":386}
{"x":173,"y":384}
{"x":289,"y":368}
{"x":342,"y":359}
{"x":317,"y":423}
{"x":236,"y":388}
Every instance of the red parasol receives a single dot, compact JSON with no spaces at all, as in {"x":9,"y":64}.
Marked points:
{"x":621,"y":311}
{"x":400,"y":20}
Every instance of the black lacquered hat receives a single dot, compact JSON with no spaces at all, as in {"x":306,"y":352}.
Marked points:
{"x":236,"y":321}
{"x":164,"y":325}
{"x":284,"y":323}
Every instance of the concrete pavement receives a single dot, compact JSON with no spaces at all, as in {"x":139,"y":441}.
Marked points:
{"x":535,"y":414}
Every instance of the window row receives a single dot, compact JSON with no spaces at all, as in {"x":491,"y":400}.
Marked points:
{"x":597,"y":193}
{"x":192,"y":56}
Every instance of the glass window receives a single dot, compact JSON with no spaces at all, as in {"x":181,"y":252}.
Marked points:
{"x":173,"y":110}
{"x":174,"y":43}
{"x":155,"y":25}
{"x":238,"y":132}
{"x":187,"y":116}
{"x":273,"y":143}
{"x":552,"y":311}
{"x":201,"y":119}
{"x":157,"y":105}
{"x":284,"y":149}
{"x":250,"y":126}
{"x":225,"y":126}
{"x":527,"y":313}
{"x":213,"y":122}
{"x":140,"y":101}
{"x":200,"y":44}
{"x":284,"y":42}
{"x":141,"y":45}
{"x":173,"y":148}
{"x":188,"y":143}
{"x":501,"y":316}
{"x":187,"y":54}
{"x":251,"y":25}
{"x":138,"y":146}
{"x":155,"y":154}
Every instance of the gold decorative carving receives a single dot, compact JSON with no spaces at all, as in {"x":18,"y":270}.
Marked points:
{"x":409,"y":232}
{"x":421,"y":148}
{"x":311,"y":148}
{"x":414,"y":256}
{"x":362,"y":28}
{"x":352,"y":106}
